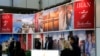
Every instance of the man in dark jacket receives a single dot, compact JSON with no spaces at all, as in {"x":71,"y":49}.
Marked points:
{"x":74,"y":44}
{"x":49,"y":43}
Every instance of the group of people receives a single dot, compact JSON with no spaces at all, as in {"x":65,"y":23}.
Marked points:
{"x":83,"y":47}
{"x":70,"y":47}
{"x":75,"y":47}
{"x":48,"y":44}
{"x":60,"y":44}
{"x":13,"y":48}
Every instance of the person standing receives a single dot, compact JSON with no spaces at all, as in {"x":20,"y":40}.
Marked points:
{"x":10,"y":48}
{"x":49,"y":43}
{"x":74,"y":44}
{"x":67,"y":51}
{"x":37,"y":44}
{"x":0,"y":50}
{"x":55,"y":44}
{"x":18,"y":51}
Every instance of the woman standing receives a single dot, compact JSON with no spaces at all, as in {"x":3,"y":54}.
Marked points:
{"x":67,"y":51}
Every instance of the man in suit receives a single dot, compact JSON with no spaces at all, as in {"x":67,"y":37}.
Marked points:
{"x":37,"y":44}
{"x":49,"y":43}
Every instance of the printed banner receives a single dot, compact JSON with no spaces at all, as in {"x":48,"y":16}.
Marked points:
{"x":46,"y":17}
{"x":36,"y":22}
{"x":23,"y":23}
{"x":22,"y":40}
{"x":29,"y":41}
{"x":69,"y":16}
{"x":0,"y":22}
{"x":84,"y":14}
{"x":6,"y":23}
{"x":54,"y":19}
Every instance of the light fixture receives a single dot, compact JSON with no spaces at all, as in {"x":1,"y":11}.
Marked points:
{"x":1,"y":9}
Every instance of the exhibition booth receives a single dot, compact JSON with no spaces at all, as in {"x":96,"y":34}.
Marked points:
{"x":55,"y":25}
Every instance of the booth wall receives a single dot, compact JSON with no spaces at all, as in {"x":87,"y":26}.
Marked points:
{"x":98,"y":40}
{"x":97,"y":13}
{"x":98,"y":27}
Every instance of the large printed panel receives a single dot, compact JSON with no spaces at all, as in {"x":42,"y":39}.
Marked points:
{"x":46,"y":16}
{"x":24,"y":39}
{"x":69,"y":16}
{"x":61,"y":18}
{"x":0,"y":22}
{"x":15,"y":43}
{"x":78,"y":15}
{"x":41,"y":21}
{"x":37,"y":21}
{"x":87,"y":42}
{"x":84,"y":14}
{"x":6,"y":40}
{"x":23,"y":23}
{"x":54,"y":20}
{"x":29,"y":40}
{"x":80,"y":42}
{"x":6,"y":24}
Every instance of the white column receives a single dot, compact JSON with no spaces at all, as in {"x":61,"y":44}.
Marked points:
{"x":97,"y":27}
{"x":98,"y":41}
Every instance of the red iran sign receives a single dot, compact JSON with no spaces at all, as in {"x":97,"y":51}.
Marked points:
{"x":6,"y":23}
{"x":84,"y":14}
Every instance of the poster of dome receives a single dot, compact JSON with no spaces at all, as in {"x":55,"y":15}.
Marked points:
{"x":23,"y":23}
